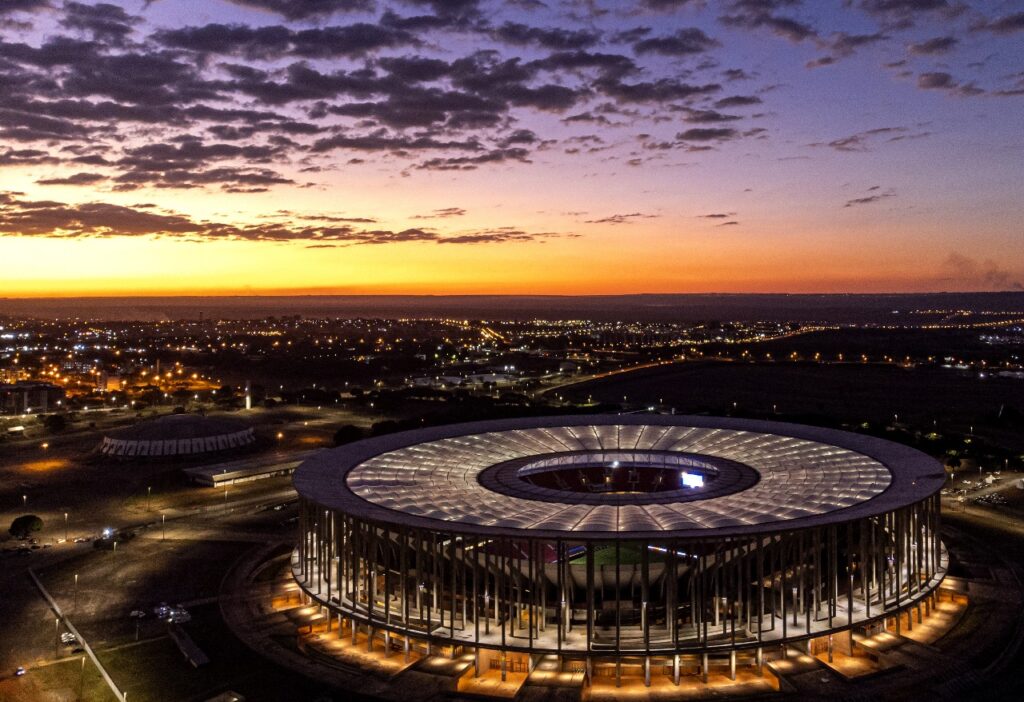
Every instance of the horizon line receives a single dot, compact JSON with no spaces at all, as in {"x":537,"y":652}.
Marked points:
{"x":301,"y":295}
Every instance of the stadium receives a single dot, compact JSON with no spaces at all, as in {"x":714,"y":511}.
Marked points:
{"x":619,"y":545}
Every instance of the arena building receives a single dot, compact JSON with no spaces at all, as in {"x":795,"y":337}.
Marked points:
{"x":177,"y":435}
{"x":642,"y":545}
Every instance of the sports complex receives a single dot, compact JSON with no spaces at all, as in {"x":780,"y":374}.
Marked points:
{"x":647,"y":547}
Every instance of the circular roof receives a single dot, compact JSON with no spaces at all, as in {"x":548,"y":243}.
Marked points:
{"x":463,"y":477}
{"x":179,"y":426}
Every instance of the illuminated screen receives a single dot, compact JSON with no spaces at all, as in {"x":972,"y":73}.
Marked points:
{"x":692,"y":480}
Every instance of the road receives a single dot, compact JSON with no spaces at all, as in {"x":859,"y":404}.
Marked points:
{"x":605,"y":374}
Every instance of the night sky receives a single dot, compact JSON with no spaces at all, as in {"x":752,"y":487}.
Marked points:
{"x":469,"y":146}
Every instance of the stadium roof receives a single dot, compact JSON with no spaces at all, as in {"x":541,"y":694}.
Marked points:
{"x":179,"y":426}
{"x":443,"y":478}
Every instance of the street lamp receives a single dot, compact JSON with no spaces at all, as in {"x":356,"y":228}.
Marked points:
{"x":74,"y":606}
{"x":163,"y":527}
{"x":149,"y":493}
{"x":65,"y":526}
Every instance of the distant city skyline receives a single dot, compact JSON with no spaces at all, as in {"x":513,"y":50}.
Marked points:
{"x":479,"y":147}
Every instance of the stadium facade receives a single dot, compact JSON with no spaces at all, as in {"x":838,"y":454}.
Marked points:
{"x":668,"y":544}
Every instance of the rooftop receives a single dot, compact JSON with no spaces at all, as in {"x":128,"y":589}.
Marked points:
{"x":179,"y":426}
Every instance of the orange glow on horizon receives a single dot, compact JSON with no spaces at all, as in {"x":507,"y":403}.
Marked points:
{"x":595,"y":263}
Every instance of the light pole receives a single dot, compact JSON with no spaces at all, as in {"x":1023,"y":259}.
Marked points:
{"x":65,"y":526}
{"x":24,"y":500}
{"x":74,"y":606}
{"x":163,"y":527}
{"x":149,"y":493}
{"x":56,"y":637}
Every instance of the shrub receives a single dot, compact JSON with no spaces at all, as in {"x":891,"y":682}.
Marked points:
{"x":25,"y":525}
{"x":347,"y":434}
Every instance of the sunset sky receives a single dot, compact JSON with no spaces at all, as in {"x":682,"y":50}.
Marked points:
{"x":524,"y":146}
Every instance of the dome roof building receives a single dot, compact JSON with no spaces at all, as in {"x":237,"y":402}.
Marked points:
{"x":178,"y":435}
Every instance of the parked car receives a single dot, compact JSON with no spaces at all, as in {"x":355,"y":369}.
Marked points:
{"x":178,"y":615}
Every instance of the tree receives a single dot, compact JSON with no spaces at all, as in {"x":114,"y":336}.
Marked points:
{"x":388,"y":426}
{"x":347,"y":434}
{"x":55,"y":422}
{"x":24,"y":525}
